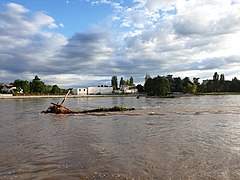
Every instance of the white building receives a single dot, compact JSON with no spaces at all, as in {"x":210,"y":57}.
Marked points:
{"x":128,"y":89}
{"x":100,"y":90}
{"x":93,"y":91}
{"x":80,"y":91}
{"x":8,"y":88}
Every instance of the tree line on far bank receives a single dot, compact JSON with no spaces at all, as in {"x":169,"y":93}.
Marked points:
{"x":157,"y":86}
{"x":35,"y":87}
{"x":122,"y":82}
{"x":163,"y":85}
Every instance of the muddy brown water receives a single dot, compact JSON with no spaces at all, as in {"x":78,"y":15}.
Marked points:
{"x":181,"y":138}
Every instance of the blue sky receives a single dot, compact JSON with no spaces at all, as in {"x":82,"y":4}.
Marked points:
{"x":76,"y":43}
{"x":75,"y":15}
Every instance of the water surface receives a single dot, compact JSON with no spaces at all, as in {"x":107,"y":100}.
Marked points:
{"x":182,"y":138}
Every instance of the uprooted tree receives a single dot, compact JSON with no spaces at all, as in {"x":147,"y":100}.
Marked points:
{"x":57,"y":108}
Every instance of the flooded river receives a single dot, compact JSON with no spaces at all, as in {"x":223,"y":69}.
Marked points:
{"x":181,"y":138}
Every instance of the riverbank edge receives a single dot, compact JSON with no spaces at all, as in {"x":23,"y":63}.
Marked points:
{"x":70,"y":96}
{"x":199,"y":94}
{"x":220,"y":93}
{"x":2,"y":96}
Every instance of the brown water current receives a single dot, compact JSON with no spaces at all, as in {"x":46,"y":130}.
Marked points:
{"x":181,"y":138}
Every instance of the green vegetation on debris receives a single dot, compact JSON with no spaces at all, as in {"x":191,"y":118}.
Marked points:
{"x":112,"y":109}
{"x":58,"y":108}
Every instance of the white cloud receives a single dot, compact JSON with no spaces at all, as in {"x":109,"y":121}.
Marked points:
{"x":177,"y":34}
{"x":27,"y":40}
{"x":41,"y":19}
{"x":207,"y":18}
{"x":189,"y":38}
{"x":61,"y":25}
{"x":16,"y":8}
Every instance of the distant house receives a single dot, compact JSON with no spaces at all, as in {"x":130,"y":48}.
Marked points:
{"x":80,"y":91}
{"x":8,"y":88}
{"x":100,"y":90}
{"x":128,"y":89}
{"x":93,"y":90}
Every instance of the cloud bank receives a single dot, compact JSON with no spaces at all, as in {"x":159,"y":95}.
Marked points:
{"x":183,"y":38}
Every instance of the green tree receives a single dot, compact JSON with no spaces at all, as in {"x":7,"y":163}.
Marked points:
{"x":176,"y":85}
{"x":114,"y":82}
{"x":210,"y":86}
{"x":158,"y":86}
{"x":191,"y":88}
{"x":234,"y":85}
{"x":149,"y":86}
{"x":185,"y":84}
{"x":21,"y":84}
{"x":127,"y":83}
{"x":222,"y":78}
{"x":196,"y":82}
{"x":48,"y":89}
{"x":122,"y":82}
{"x":194,"y":88}
{"x":222,"y":84}
{"x":131,"y":81}
{"x":162,"y":86}
{"x":140,"y":88}
{"x":37,"y":86}
{"x":147,"y":77}
{"x":170,"y":79}
{"x":55,"y":90}
{"x":186,"y":80}
{"x":216,"y":87}
{"x":215,"y":77}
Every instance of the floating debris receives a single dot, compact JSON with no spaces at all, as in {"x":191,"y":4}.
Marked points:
{"x":57,"y":108}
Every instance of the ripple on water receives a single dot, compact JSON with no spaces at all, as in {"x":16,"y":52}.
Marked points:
{"x":183,"y":138}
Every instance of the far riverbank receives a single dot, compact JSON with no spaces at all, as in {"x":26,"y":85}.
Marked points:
{"x":4,"y":96}
{"x":10,"y":96}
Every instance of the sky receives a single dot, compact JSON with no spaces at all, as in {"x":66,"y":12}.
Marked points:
{"x":79,"y":43}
